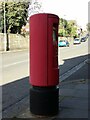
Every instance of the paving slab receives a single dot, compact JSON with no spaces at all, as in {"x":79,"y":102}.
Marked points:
{"x":73,"y":103}
{"x":82,"y":86}
{"x":72,"y":113}
{"x":81,"y":93}
{"x":66,"y":92}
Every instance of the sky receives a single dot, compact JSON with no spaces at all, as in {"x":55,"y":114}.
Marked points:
{"x":68,"y":9}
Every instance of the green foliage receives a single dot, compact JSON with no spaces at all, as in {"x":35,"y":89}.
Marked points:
{"x":15,"y":15}
{"x":1,"y":17}
{"x":67,"y":28}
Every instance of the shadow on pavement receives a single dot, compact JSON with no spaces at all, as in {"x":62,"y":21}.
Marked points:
{"x":14,"y":92}
{"x":73,"y":62}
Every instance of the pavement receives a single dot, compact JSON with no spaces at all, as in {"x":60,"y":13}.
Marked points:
{"x":73,"y":97}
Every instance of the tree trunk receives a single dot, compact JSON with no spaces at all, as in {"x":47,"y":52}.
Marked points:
{"x":7,"y":37}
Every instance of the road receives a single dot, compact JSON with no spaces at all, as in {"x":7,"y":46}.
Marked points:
{"x":15,"y":65}
{"x":16,"y":71}
{"x":72,"y":56}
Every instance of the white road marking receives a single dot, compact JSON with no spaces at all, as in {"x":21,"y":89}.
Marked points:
{"x":15,"y":63}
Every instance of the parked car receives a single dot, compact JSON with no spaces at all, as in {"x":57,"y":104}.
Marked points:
{"x":77,"y":41}
{"x":87,"y":36}
{"x":63,"y":43}
{"x":83,"y":39}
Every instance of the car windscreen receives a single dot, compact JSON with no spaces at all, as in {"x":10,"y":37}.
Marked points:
{"x":62,"y":40}
{"x":76,"y":39}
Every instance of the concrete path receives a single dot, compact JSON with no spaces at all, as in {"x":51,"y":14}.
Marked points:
{"x":73,"y":98}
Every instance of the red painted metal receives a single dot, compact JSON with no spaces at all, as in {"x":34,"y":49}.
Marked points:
{"x":53,"y":71}
{"x":44,"y":50}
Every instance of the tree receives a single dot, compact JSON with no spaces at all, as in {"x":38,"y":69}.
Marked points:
{"x":67,"y":28}
{"x":35,"y":7}
{"x":63,"y":25}
{"x":1,"y":17}
{"x":72,"y":28}
{"x":16,"y":16}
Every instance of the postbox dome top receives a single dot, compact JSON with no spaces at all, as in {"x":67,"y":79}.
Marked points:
{"x":45,"y":14}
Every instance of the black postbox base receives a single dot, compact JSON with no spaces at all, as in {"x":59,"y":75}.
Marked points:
{"x":44,"y":100}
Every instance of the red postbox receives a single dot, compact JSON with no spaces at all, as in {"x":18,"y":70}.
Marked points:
{"x":44,"y":72}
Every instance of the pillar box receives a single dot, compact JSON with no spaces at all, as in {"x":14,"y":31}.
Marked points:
{"x":44,"y":72}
